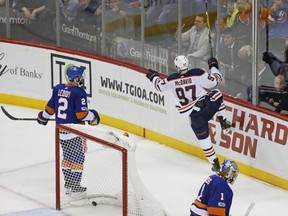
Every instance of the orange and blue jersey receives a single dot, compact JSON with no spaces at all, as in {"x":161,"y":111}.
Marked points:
{"x":278,"y":21}
{"x":69,"y":103}
{"x":214,"y":198}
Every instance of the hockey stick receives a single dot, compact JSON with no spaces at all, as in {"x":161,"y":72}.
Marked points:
{"x":21,"y":119}
{"x":250,"y":207}
{"x":267,"y":27}
{"x":209,"y":28}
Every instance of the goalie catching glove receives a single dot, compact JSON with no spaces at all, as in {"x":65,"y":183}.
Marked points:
{"x":212,"y":62}
{"x":96,"y":119}
{"x":151,"y":74}
{"x":41,"y":119}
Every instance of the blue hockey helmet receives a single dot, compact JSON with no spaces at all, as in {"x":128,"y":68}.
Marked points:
{"x":229,"y":170}
{"x":74,"y":72}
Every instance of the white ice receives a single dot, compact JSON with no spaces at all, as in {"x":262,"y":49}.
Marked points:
{"x":27,"y":175}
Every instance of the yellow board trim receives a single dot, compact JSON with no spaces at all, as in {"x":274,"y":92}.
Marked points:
{"x":22,"y":101}
{"x":148,"y":134}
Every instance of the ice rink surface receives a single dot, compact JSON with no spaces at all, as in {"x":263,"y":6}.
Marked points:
{"x":27,"y":178}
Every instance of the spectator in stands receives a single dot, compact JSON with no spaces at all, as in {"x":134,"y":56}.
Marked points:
{"x":120,"y":8}
{"x":277,"y":96}
{"x":239,"y":16}
{"x":132,"y":3}
{"x":162,"y":15}
{"x":153,"y":12}
{"x":280,"y":70}
{"x":163,"y":11}
{"x":245,"y":69}
{"x":229,"y":49}
{"x":243,"y":23}
{"x":89,"y":11}
{"x":265,"y":76}
{"x":31,"y":8}
{"x":120,"y":18}
{"x":167,"y":16}
{"x":69,"y":8}
{"x":281,"y":105}
{"x":198,"y":41}
{"x":231,"y":15}
{"x":278,"y":24}
{"x":218,"y":28}
{"x":277,"y":18}
{"x":230,"y":61}
{"x":40,"y":17}
{"x":199,"y":6}
{"x":277,"y":67}
{"x":160,"y":11}
{"x":3,"y":3}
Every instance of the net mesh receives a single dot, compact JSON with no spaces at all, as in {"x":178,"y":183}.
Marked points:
{"x":91,"y":172}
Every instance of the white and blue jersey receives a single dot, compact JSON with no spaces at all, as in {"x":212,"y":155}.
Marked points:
{"x":188,"y":88}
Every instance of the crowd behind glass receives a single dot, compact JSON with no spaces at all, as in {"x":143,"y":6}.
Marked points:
{"x":150,"y":33}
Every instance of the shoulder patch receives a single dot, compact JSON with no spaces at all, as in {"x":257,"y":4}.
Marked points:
{"x":221,"y":204}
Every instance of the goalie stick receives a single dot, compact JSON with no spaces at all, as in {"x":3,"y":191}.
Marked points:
{"x":21,"y":119}
{"x":249,"y":208}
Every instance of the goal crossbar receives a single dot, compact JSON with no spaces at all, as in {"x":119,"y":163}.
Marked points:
{"x":97,"y":166}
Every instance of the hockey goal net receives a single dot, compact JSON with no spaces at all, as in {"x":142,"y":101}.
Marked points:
{"x":97,"y":166}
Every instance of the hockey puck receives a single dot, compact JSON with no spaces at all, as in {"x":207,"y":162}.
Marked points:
{"x":94,"y":203}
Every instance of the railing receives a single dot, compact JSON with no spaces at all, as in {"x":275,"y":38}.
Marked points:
{"x":145,"y":35}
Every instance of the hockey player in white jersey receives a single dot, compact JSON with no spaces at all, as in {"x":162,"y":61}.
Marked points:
{"x":196,"y":97}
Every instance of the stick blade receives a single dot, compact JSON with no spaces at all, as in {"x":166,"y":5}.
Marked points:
{"x":250,"y":207}
{"x":7,"y":114}
{"x":15,"y":118}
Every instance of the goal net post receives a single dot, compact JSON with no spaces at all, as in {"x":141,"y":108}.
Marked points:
{"x":97,"y":166}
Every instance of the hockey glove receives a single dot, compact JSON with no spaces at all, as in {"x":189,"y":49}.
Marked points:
{"x":42,"y":120}
{"x":151,"y":74}
{"x":212,"y":62}
{"x":268,"y":57}
{"x":95,"y":121}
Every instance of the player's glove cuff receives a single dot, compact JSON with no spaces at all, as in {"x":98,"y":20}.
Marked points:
{"x":42,"y":120}
{"x":151,"y":74}
{"x":96,"y":118}
{"x":212,"y":62}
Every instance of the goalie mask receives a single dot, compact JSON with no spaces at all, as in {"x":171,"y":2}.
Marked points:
{"x":75,"y":74}
{"x":229,"y":170}
{"x":181,"y":63}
